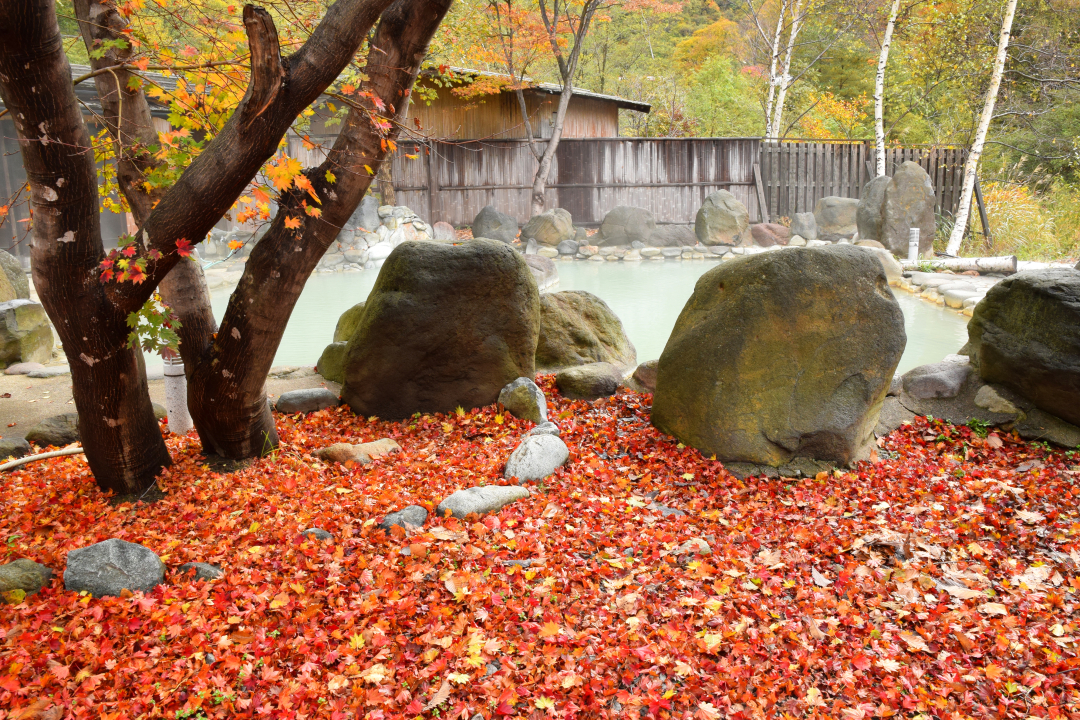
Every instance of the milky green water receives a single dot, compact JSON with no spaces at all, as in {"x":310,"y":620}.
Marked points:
{"x":647,"y":297}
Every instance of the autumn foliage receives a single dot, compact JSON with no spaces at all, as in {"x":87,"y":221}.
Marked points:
{"x":939,"y":581}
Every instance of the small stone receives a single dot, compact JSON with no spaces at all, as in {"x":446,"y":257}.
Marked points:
{"x":14,"y":447}
{"x":202,"y":571}
{"x":989,"y":399}
{"x":49,"y":372}
{"x":411,"y":516}
{"x":664,"y":510}
{"x":307,"y":400}
{"x":694,"y":546}
{"x":110,"y":567}
{"x":524,"y":400}
{"x":363,"y":453}
{"x":318,"y":534}
{"x":589,"y":382}
{"x":21,"y":578}
{"x":548,"y":252}
{"x":537,"y":457}
{"x":545,"y":428}
{"x":480,"y":500}
{"x":23,"y":368}
{"x":937,"y":380}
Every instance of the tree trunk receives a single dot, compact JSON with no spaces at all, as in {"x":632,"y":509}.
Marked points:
{"x":1004,"y":264}
{"x":781,"y":95}
{"x":879,"y":89}
{"x":228,"y":399}
{"x":539,"y":188}
{"x":386,"y":185}
{"x":774,"y":59}
{"x":972,"y":164}
{"x":123,"y":443}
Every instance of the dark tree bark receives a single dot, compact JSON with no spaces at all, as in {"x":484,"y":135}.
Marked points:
{"x":227,"y":394}
{"x":116,"y":421}
{"x":119,"y":433}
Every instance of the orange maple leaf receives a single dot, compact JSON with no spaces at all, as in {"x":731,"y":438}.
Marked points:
{"x":549,"y":629}
{"x":292,"y":222}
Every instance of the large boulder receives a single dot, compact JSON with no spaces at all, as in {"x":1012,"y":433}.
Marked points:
{"x":1025,"y":334}
{"x":58,"y":431}
{"x":25,"y":335}
{"x":492,"y":224}
{"x":444,"y":326}
{"x":549,"y":228}
{"x":673,"y":236}
{"x":909,"y":203}
{"x":836,"y":218}
{"x":366,"y":215}
{"x":13,"y":447}
{"x":721,"y":220}
{"x":625,"y":225}
{"x":868,"y":213}
{"x":804,"y":225}
{"x":13,"y":277}
{"x":331,"y":364}
{"x":347,"y":323}
{"x":785,"y":355}
{"x":577,"y":328}
{"x":112,"y":566}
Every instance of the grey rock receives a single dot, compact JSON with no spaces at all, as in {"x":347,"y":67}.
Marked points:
{"x":317,"y":534}
{"x":721,"y":220}
{"x":13,"y":447}
{"x":23,"y":368}
{"x":543,"y":269}
{"x":536,"y":457}
{"x":835,"y":217}
{"x":673,"y":236}
{"x":25,"y":335}
{"x":577,"y":327}
{"x":411,"y":516}
{"x":893,"y":415}
{"x":21,"y":578}
{"x":200,"y":571}
{"x":671,"y":252}
{"x":624,"y":225}
{"x":937,"y":380}
{"x":868,"y":216}
{"x":644,"y":378}
{"x":893,"y":270}
{"x":110,"y":567}
{"x":804,"y":225}
{"x":545,"y":428}
{"x":525,"y":400}
{"x":480,"y":500}
{"x":568,"y":247}
{"x":531,"y":246}
{"x":58,"y":430}
{"x":989,"y":399}
{"x":743,"y":470}
{"x":550,"y":227}
{"x":490,"y":223}
{"x":306,"y":400}
{"x":665,"y":510}
{"x":56,"y":371}
{"x":589,"y":382}
{"x":1039,"y":425}
{"x":896,"y":386}
{"x":366,"y":215}
{"x":805,"y":467}
{"x":1025,"y":334}
{"x":909,"y":203}
{"x":444,"y":326}
{"x":14,"y":277}
{"x":444,"y":232}
{"x":776,"y":395}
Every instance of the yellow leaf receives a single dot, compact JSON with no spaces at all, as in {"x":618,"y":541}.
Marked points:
{"x":342,"y":491}
{"x":297,"y":587}
{"x":375,"y":674}
{"x":459,"y":678}
{"x":369,"y":170}
{"x":543,"y":703}
{"x":331,"y":177}
{"x":356,"y":642}
{"x":280,"y":600}
{"x":549,"y":629}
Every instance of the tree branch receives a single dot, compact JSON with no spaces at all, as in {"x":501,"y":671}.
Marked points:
{"x":267,"y":71}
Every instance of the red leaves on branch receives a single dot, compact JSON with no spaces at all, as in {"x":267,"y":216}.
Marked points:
{"x":938,"y":582}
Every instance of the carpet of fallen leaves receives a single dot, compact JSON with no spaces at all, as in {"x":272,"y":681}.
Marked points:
{"x":938,"y":582}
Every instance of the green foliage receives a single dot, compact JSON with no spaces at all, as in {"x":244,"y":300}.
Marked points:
{"x":153,"y":327}
{"x":722,"y":101}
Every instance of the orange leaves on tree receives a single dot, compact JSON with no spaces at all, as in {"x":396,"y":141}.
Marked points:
{"x":283,"y":172}
{"x":292,"y":222}
{"x":304,"y":183}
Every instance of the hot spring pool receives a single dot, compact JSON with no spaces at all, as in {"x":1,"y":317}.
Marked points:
{"x":646,"y":296}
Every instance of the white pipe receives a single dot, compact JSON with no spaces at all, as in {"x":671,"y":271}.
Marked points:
{"x":41,"y":456}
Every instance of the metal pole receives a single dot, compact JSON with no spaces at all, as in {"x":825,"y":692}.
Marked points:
{"x":176,"y":394}
{"x":913,"y":245}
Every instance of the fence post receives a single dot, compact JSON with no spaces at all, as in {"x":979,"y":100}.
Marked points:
{"x":763,"y":206}
{"x":982,"y":213}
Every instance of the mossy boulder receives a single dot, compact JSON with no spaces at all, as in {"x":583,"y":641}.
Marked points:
{"x":722,"y":220}
{"x":331,"y":363}
{"x":1025,"y":334}
{"x":550,"y":228}
{"x":444,"y":326}
{"x":577,"y":328}
{"x":25,"y":335}
{"x":782,"y":355}
{"x":13,"y":280}
{"x":348,"y":322}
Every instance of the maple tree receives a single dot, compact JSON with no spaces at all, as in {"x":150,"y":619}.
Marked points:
{"x":178,"y":188}
{"x":938,"y":581}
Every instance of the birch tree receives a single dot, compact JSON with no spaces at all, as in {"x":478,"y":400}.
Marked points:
{"x":972,"y":165}
{"x":879,"y":89}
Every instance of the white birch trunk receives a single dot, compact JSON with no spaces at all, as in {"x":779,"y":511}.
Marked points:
{"x":774,"y":59}
{"x":879,"y":89}
{"x":785,"y":72}
{"x":972,"y":165}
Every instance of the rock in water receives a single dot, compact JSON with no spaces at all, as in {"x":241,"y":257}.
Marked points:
{"x":589,"y":382}
{"x":306,"y":400}
{"x":331,"y":363}
{"x":868,"y":213}
{"x":524,"y":400}
{"x":1025,"y":334}
{"x":549,"y":228}
{"x":721,"y":220}
{"x":112,"y":566}
{"x":625,"y":225}
{"x":480,"y":500}
{"x":577,"y":328}
{"x":58,"y":430}
{"x":490,"y":223}
{"x":444,"y":326}
{"x":909,"y":203}
{"x":21,"y":578}
{"x":835,"y":218}
{"x":782,"y":355}
{"x":25,"y":335}
{"x":348,"y":322}
{"x":536,"y":457}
